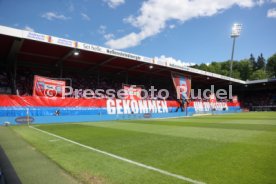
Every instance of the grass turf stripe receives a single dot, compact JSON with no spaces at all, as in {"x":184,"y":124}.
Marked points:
{"x":123,"y":159}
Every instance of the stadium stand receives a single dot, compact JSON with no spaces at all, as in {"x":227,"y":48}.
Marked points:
{"x":25,"y":54}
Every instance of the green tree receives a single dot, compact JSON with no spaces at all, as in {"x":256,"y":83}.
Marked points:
{"x":203,"y":67}
{"x":225,"y":68}
{"x":215,"y":67}
{"x":258,"y":74}
{"x":253,"y":62}
{"x":245,"y":69}
{"x":271,"y":66}
{"x":261,"y":62}
{"x":236,"y":74}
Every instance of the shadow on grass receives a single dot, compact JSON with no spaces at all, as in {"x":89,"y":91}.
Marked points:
{"x":10,"y":176}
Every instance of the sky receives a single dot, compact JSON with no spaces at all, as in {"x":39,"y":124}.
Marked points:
{"x":192,"y":31}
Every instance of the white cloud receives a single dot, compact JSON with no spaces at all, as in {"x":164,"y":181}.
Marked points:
{"x":85,"y":17}
{"x":271,"y":13}
{"x":177,"y":62}
{"x":114,"y":3}
{"x":27,"y":28}
{"x":273,"y":1}
{"x":52,"y":16}
{"x":154,"y":14}
{"x":102,"y":29}
{"x":108,"y":36}
{"x":260,"y":2}
{"x":172,"y":26}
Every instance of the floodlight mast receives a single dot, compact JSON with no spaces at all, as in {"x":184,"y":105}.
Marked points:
{"x":236,"y":31}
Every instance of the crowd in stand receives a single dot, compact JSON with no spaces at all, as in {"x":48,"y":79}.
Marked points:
{"x":24,"y":83}
{"x":24,"y":86}
{"x":4,"y":83}
{"x":259,"y":99}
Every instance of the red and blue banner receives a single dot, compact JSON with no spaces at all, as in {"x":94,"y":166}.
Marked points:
{"x":182,"y":85}
{"x":43,"y":109}
{"x":48,"y":87}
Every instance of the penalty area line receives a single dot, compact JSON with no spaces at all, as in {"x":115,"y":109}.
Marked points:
{"x":122,"y":158}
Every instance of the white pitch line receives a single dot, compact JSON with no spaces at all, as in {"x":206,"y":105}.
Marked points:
{"x":123,"y":159}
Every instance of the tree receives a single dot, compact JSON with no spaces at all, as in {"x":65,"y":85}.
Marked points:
{"x":271,"y":66}
{"x":258,"y":74}
{"x":203,"y":67}
{"x":236,"y":74}
{"x":260,"y":62}
{"x":245,"y":68}
{"x":225,"y":68}
{"x":253,"y":62}
{"x":215,"y":67}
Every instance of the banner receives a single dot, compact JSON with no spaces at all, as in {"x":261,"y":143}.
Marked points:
{"x":48,"y":87}
{"x":235,"y":99}
{"x":119,"y":106}
{"x":132,"y":92}
{"x":210,"y":106}
{"x":15,"y":109}
{"x":41,"y":101}
{"x":182,"y":85}
{"x":213,"y":98}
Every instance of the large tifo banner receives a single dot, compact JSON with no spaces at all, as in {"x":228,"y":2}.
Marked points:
{"x":42,"y":109}
{"x":132,"y":92}
{"x":48,"y":87}
{"x":182,"y":85}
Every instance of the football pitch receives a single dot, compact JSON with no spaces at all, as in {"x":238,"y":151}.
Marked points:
{"x":219,"y":149}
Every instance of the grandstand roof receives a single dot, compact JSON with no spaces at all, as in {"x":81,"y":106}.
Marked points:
{"x":37,"y":50}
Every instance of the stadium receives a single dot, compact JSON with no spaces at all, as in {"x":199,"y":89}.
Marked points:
{"x":55,"y":131}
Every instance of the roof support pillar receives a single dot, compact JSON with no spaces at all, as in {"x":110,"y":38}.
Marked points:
{"x":11,"y":62}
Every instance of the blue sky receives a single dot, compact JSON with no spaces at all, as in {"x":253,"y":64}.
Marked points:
{"x":191,"y":31}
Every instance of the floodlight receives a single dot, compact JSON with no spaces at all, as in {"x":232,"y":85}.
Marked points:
{"x":236,"y":30}
{"x":76,"y":53}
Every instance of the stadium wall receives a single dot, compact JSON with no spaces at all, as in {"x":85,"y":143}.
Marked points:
{"x":21,"y":110}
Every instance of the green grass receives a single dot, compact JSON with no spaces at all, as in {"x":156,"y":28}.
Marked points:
{"x":29,"y":165}
{"x":222,"y":149}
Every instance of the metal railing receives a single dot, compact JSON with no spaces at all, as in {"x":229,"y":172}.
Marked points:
{"x":264,"y":108}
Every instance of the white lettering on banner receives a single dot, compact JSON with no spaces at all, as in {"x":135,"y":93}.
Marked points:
{"x":126,"y":105}
{"x":207,"y":106}
{"x":164,"y":106}
{"x":152,"y":106}
{"x":123,"y":54}
{"x":65,"y":42}
{"x":159,"y":110}
{"x":110,"y":106}
{"x":37,"y":36}
{"x":90,"y":47}
{"x":143,"y":106}
{"x":119,"y":106}
{"x":136,"y":106}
